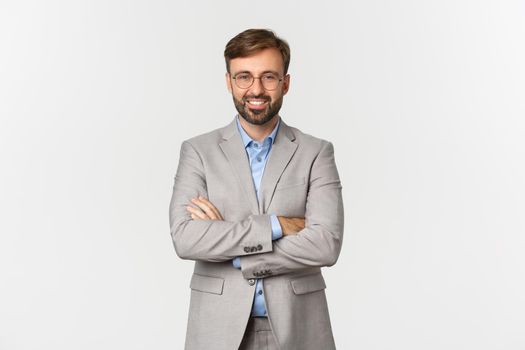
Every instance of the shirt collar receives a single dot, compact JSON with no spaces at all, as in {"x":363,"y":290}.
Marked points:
{"x":247,"y":140}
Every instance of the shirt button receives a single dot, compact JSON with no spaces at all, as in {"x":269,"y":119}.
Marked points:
{"x":259,"y":159}
{"x":256,"y":145}
{"x":260,"y":292}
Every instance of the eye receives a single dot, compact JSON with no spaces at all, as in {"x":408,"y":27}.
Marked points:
{"x":270,"y":77}
{"x":243,"y":77}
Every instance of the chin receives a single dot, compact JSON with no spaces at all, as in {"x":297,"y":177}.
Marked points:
{"x":260,"y":118}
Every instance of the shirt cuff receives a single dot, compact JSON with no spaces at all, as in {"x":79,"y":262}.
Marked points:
{"x":236,"y":263}
{"x":277,"y":231}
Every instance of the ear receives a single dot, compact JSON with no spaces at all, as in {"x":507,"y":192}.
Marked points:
{"x":286,"y":83}
{"x":228,"y":82}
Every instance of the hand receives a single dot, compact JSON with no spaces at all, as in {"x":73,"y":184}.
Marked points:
{"x":291,"y":226}
{"x":205,"y":210}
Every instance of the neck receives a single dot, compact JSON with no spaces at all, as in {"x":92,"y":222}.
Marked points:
{"x":259,"y":132}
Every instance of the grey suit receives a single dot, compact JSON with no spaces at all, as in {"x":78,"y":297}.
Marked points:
{"x":300,"y":180}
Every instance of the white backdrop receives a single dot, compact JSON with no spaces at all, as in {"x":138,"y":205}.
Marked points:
{"x":423,"y":100}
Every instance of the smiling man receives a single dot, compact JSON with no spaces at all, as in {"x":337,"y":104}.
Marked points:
{"x":257,"y":205}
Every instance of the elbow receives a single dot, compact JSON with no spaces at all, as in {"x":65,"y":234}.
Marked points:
{"x":333,"y":250}
{"x":326,"y":242}
{"x":182,"y":249}
{"x":330,"y":258}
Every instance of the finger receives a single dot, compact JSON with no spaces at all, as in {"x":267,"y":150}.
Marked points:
{"x":206,"y":208}
{"x":198,"y":213}
{"x":196,"y":218}
{"x":212,"y":207}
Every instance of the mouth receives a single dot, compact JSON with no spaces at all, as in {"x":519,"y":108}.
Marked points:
{"x":255,"y":103}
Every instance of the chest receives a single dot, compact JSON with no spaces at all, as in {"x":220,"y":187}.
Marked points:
{"x":233,"y":189}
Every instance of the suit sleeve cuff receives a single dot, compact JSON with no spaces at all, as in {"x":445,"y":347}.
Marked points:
{"x":277,"y":231}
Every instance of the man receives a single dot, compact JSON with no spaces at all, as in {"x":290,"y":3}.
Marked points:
{"x":257,"y":204}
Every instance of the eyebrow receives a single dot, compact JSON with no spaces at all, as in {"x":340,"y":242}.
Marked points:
{"x":265,"y":72}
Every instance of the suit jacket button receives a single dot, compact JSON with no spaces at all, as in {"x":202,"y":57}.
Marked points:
{"x":254,"y":249}
{"x":251,"y":281}
{"x":259,"y":247}
{"x":247,"y":249}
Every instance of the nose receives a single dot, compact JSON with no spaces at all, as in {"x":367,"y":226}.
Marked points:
{"x":257,"y":88}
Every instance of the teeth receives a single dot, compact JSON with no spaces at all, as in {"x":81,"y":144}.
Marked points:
{"x":256,"y":102}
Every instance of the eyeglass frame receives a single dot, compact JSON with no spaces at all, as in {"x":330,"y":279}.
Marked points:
{"x":253,"y":80}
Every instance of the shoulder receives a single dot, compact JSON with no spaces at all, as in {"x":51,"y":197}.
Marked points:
{"x":307,"y":141}
{"x":208,"y":139}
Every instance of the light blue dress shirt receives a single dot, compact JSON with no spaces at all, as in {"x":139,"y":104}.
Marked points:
{"x":258,"y":155}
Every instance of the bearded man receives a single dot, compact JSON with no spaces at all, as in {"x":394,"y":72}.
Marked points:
{"x":257,"y":205}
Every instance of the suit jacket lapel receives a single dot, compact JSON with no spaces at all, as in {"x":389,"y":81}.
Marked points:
{"x":282,"y":151}
{"x":233,"y":148}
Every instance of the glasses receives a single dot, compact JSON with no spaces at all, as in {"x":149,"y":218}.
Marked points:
{"x":269,"y":81}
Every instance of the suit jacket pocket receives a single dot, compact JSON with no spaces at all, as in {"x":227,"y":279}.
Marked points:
{"x":207,"y":284}
{"x":308,"y":284}
{"x":288,"y":183}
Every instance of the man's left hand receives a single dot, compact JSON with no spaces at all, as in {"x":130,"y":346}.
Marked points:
{"x":205,"y":210}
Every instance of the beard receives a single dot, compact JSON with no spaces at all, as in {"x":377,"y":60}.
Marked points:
{"x":256,"y":116}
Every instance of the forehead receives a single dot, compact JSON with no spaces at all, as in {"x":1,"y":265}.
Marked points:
{"x":265,"y":60}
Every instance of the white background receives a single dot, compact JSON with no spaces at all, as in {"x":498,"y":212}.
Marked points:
{"x":423,"y":100}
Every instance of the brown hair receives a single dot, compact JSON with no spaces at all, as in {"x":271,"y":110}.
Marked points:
{"x":253,"y":40}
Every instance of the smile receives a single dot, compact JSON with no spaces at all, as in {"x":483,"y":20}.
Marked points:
{"x":257,"y":104}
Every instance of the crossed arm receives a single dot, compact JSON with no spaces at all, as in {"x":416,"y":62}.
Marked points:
{"x":205,"y":210}
{"x":200,"y":233}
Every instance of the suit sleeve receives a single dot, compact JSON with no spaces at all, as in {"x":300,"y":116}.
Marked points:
{"x":319,"y":243}
{"x":210,"y":240}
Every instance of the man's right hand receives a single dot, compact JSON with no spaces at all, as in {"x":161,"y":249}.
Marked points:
{"x":290,"y":226}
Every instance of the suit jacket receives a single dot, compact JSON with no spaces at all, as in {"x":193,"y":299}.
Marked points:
{"x":300,"y":180}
